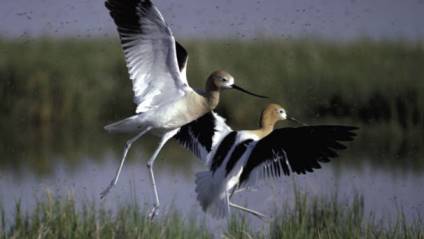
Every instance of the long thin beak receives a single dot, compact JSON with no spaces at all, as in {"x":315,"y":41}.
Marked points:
{"x":297,"y":121}
{"x":247,"y":92}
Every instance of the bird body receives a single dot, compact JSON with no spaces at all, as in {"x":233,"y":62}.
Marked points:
{"x":228,"y":160}
{"x":165,"y":118}
{"x":243,"y":157}
{"x":213,"y":186}
{"x":166,"y":106}
{"x":156,"y":65}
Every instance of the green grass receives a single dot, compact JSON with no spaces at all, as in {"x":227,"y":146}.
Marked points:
{"x":53,"y":92}
{"x":366,"y":82}
{"x":80,"y":82}
{"x":60,"y":218}
{"x":59,"y":93}
{"x":317,"y":218}
{"x":56,"y":217}
{"x":326,"y":218}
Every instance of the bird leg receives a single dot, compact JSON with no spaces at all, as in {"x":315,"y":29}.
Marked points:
{"x":253,"y":212}
{"x":234,"y":190}
{"x":150,"y":164}
{"x":227,"y":197}
{"x":118,"y":171}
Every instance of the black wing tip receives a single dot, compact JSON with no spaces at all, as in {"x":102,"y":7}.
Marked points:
{"x":146,"y":3}
{"x":351,"y":129}
{"x":182,"y":55}
{"x":116,"y":5}
{"x":340,"y":132}
{"x":330,"y":141}
{"x":340,"y":127}
{"x":127,"y":14}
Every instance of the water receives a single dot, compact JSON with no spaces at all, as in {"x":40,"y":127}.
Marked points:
{"x":84,"y":174}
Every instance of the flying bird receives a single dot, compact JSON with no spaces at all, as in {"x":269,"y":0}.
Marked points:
{"x":238,"y":159}
{"x":157,"y":66}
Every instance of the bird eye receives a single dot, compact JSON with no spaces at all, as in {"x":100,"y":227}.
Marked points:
{"x":224,"y":80}
{"x":281,"y":111}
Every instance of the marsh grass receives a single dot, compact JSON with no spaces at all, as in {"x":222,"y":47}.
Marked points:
{"x":78,"y":82}
{"x":319,"y":217}
{"x":56,"y":217}
{"x":305,"y":217}
{"x":63,"y":91}
{"x":51,"y":90}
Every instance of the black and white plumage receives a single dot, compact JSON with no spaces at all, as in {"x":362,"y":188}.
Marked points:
{"x":203,"y":134}
{"x":295,"y":150}
{"x":244,"y":157}
{"x":157,"y":65}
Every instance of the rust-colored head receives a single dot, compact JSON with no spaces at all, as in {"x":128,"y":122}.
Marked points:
{"x":271,"y":115}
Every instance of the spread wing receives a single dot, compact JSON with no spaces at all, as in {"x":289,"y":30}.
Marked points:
{"x":202,"y":135}
{"x":297,"y":150}
{"x":156,"y":62}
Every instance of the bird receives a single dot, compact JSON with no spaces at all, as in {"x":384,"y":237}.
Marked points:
{"x":157,"y":66}
{"x":240,"y":158}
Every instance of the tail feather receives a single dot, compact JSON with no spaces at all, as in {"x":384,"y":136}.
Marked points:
{"x":209,"y":195}
{"x":126,"y":125}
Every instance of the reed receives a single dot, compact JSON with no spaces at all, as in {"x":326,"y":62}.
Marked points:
{"x":79,"y":82}
{"x":51,"y":90}
{"x":305,"y":217}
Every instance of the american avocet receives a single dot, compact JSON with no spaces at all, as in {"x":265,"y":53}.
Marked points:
{"x":157,"y":67}
{"x":242,"y":157}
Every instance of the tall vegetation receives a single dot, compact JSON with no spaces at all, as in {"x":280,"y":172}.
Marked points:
{"x":80,"y":82}
{"x":55,"y":217}
{"x":69,"y":86}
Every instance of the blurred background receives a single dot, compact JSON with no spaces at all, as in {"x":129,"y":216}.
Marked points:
{"x":63,"y":77}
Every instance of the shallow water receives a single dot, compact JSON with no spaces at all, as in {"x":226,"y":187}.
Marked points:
{"x":385,"y":190}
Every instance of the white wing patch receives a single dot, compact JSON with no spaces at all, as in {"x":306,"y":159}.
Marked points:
{"x":150,"y":54}
{"x":221,"y":130}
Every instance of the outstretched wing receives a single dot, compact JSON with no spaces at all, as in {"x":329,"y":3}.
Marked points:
{"x":203,"y":134}
{"x":298,"y":150}
{"x":156,"y":62}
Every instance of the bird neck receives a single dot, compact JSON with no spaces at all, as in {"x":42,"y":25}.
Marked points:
{"x":212,"y":98}
{"x":212,"y":95}
{"x":266,"y":124}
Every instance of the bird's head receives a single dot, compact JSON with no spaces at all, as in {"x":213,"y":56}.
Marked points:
{"x":221,"y":80}
{"x":273,"y":113}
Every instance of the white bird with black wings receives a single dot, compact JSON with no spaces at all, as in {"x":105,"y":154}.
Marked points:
{"x":237,"y":159}
{"x":157,"y":68}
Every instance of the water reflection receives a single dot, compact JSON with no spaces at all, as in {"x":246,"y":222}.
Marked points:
{"x":84,"y":163}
